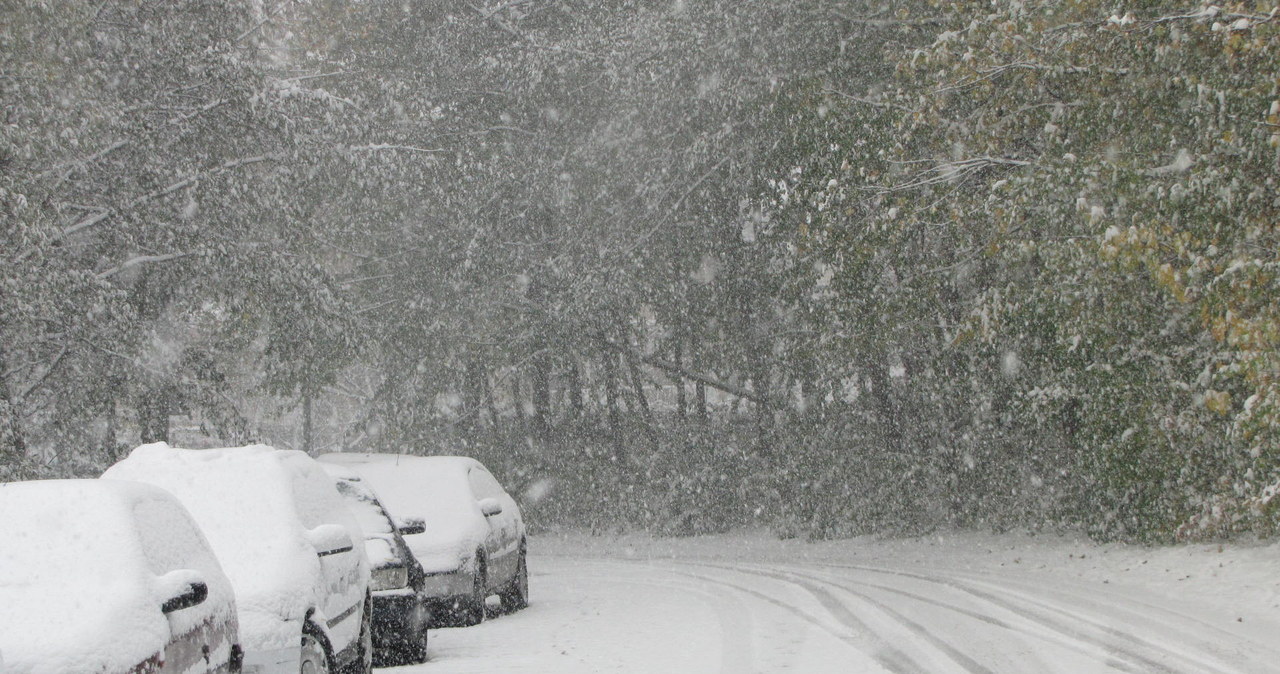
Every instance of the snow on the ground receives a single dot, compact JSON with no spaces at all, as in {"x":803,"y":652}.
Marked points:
{"x":963,"y":602}
{"x":1242,"y":579}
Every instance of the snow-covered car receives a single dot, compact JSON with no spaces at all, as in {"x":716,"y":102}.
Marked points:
{"x":110,"y":578}
{"x":473,"y":542}
{"x":401,"y":611}
{"x":287,"y":542}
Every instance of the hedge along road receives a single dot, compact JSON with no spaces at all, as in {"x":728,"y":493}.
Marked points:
{"x":734,"y":614}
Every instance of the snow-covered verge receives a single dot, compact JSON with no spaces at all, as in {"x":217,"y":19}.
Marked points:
{"x":1241,"y":579}
{"x":957,"y":603}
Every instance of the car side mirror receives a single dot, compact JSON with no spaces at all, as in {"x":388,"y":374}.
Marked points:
{"x":490,"y":507}
{"x":330,"y":539}
{"x":181,"y":589}
{"x":409,"y":526}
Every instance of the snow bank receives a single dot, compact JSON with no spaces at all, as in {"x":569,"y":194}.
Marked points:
{"x":255,"y":505}
{"x":81,"y":582}
{"x":434,"y":488}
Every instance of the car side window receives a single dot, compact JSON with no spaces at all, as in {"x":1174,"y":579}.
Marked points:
{"x":483,"y":485}
{"x":170,"y":540}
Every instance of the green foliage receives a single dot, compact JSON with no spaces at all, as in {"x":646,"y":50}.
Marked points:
{"x":1077,"y":201}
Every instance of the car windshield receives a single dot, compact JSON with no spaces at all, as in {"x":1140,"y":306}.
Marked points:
{"x":244,"y":501}
{"x":372,"y":518}
{"x":437,"y":492}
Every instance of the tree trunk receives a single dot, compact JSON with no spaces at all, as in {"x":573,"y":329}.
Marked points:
{"x":575,"y":388}
{"x":611,"y":388}
{"x":307,"y":439}
{"x":13,"y":446}
{"x":682,"y":402}
{"x":112,"y":431}
{"x":700,"y":392}
{"x":473,"y":392}
{"x":637,"y":386}
{"x":542,"y":391}
{"x":885,"y":405}
{"x":760,"y":386}
{"x":153,"y":415}
{"x":489,"y":402}
{"x":516,"y":399}
{"x":12,"y":441}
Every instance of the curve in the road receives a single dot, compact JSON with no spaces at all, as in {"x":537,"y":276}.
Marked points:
{"x":1158,"y":656}
{"x":861,"y":638}
{"x":1114,"y":648}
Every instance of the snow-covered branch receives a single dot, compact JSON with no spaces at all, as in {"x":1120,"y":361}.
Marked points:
{"x":141,"y":260}
{"x":44,"y":376}
{"x":950,"y":171}
{"x":387,"y":146}
{"x":97,"y":218}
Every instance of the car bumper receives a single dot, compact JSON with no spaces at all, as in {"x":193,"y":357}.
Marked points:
{"x":447,"y":585}
{"x":398,"y":618}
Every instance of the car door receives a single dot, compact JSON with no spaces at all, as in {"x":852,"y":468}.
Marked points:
{"x":202,"y":636}
{"x":501,"y":544}
{"x":321,"y":510}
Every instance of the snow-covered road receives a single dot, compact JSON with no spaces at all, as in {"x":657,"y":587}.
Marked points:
{"x":718,"y":609}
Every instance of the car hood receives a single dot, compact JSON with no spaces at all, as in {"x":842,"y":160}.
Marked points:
{"x":447,"y":548}
{"x":277,"y":592}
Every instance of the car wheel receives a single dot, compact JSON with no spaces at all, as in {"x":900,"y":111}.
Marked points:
{"x":313,"y":659}
{"x":471,"y":607}
{"x":516,"y":594}
{"x":420,"y":647}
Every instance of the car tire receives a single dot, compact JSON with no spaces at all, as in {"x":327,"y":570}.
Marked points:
{"x":471,"y":608}
{"x":313,"y":659}
{"x":420,"y":645}
{"x":516,"y":594}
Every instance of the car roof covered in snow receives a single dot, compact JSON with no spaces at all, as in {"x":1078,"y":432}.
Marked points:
{"x":255,"y":504}
{"x":81,"y":568}
{"x":434,"y":488}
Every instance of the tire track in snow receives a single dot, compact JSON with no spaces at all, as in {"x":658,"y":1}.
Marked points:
{"x":862,"y":639}
{"x":1070,"y":640}
{"x":1187,"y":625}
{"x":842,"y":612}
{"x":1194,"y":662}
{"x":737,"y":650}
{"x":736,"y":647}
{"x":1038,"y":611}
{"x":1049,"y":634}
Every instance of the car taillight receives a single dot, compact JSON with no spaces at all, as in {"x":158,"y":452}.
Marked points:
{"x":389,"y":578}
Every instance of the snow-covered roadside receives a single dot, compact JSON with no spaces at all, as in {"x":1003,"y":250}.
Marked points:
{"x":959,"y":602}
{"x":1242,"y":580}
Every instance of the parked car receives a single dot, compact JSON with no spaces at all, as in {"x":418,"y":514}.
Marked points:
{"x":287,"y":542}
{"x":401,"y":610}
{"x":110,"y":578}
{"x":473,"y":543}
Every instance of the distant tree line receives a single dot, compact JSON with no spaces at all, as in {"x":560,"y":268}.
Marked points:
{"x":832,"y":267}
